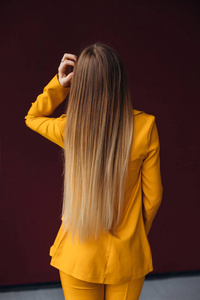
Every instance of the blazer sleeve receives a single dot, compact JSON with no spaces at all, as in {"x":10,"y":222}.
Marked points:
{"x":38,"y":118}
{"x":151,"y":177}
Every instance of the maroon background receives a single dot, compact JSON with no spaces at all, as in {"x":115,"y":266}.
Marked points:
{"x":159,"y":44}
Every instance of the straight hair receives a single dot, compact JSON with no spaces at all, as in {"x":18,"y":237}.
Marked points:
{"x":97,"y":143}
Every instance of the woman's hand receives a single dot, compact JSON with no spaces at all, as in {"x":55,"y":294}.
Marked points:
{"x":64,"y":71}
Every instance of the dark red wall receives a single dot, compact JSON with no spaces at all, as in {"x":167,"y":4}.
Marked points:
{"x":159,"y":44}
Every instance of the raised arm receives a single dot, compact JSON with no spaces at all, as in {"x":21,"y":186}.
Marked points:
{"x":36,"y":119}
{"x":53,"y":94}
{"x":151,"y":177}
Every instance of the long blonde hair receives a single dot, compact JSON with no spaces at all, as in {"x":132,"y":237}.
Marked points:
{"x":97,"y":143}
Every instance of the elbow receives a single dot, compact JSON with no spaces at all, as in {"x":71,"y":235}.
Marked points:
{"x":159,"y":195}
{"x":27,"y":120}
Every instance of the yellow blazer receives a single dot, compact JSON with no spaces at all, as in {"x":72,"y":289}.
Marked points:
{"x":111,"y":259}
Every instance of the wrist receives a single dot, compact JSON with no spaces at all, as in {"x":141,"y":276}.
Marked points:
{"x":65,"y":86}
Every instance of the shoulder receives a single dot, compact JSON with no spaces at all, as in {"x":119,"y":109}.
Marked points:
{"x":143,"y":120}
{"x":143,"y":115}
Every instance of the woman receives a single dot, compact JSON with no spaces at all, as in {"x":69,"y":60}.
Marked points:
{"x":112,"y":183}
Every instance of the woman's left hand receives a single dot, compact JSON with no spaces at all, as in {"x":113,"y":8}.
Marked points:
{"x":64,"y":74}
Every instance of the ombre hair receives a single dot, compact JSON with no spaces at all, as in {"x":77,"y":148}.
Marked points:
{"x":97,"y":143}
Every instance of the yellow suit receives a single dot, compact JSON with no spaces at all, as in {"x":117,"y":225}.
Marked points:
{"x":117,"y":258}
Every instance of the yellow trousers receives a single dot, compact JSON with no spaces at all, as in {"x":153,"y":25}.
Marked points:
{"x":76,"y":289}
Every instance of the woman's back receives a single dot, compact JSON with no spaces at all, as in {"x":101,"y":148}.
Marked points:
{"x":112,"y":258}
